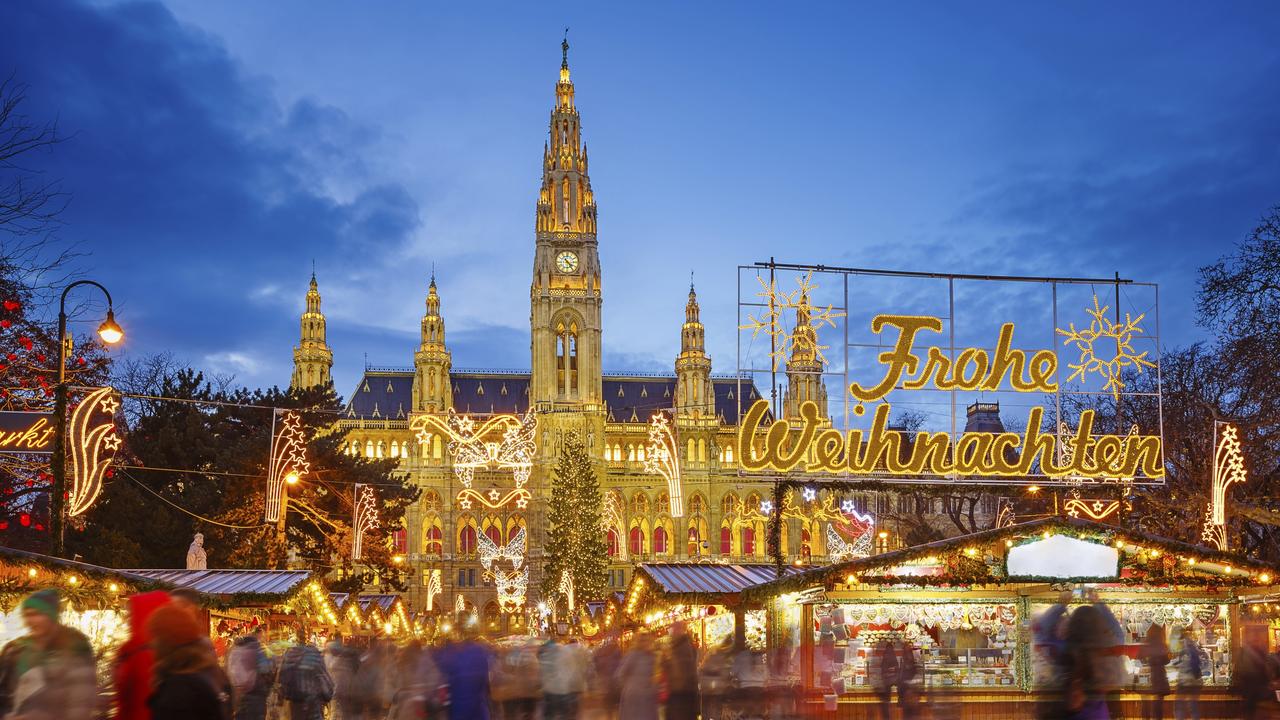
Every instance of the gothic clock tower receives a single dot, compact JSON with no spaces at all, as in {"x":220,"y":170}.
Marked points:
{"x":565,"y":295}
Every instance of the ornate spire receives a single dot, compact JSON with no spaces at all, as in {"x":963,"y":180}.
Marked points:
{"x":432,"y":361}
{"x":693,"y":365}
{"x":565,"y":202}
{"x":804,"y":367}
{"x":312,"y":358}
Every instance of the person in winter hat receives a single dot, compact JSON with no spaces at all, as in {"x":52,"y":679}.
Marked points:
{"x":49,"y":673}
{"x":188,"y":683}
{"x":132,"y":673}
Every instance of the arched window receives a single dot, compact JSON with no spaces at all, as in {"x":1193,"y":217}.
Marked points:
{"x":631,"y":452}
{"x":806,"y":547}
{"x":515,"y":524}
{"x":697,"y":506}
{"x":567,"y":357}
{"x":492,"y":528}
{"x":435,"y":447}
{"x":395,"y":449}
{"x":639,"y":505}
{"x":748,"y":540}
{"x":433,"y":538}
{"x":660,"y":540}
{"x":702,"y":450}
{"x":608,"y":453}
{"x":617,"y":453}
{"x":379,"y":449}
{"x":728,"y":453}
{"x":729,"y":504}
{"x":467,"y":538}
{"x":640,"y":453}
{"x":663,"y":503}
{"x":690,"y":456}
{"x":635,"y":544}
{"x":368,"y":448}
{"x":726,"y":539}
{"x":695,"y":540}
{"x":611,"y":538}
{"x":400,"y":541}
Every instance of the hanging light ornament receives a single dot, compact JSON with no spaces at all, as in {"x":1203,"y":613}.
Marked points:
{"x":1228,"y":469}
{"x":364,"y":519}
{"x":93,"y":442}
{"x":288,"y":459}
{"x":566,"y":588}
{"x":660,"y":459}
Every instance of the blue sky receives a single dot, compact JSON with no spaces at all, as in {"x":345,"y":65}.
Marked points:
{"x":218,"y":148}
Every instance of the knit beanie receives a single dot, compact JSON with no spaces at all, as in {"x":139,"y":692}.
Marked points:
{"x":171,"y":626}
{"x":42,"y":601}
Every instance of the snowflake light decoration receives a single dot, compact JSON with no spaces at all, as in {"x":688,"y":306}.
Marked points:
{"x":1102,"y":328}
{"x":1228,"y":469}
{"x":288,"y":456}
{"x":364,"y":518}
{"x":661,"y":459}
{"x":803,"y":340}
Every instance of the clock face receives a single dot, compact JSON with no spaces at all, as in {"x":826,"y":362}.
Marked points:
{"x":567,"y":262}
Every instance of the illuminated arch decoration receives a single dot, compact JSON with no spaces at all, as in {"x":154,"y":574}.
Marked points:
{"x":434,"y":588}
{"x":770,"y":322}
{"x":500,"y":442}
{"x":1121,"y":335}
{"x":662,"y":458}
{"x":364,"y":518}
{"x":93,"y":442}
{"x":288,"y":456}
{"x":611,"y":518}
{"x":1091,"y":508}
{"x":1228,"y":469}
{"x":512,"y":585}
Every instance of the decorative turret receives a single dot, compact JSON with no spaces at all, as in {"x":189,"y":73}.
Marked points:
{"x":431,"y":363}
{"x":312,"y":358}
{"x":565,"y":202}
{"x":693,"y":366}
{"x":804,"y":366}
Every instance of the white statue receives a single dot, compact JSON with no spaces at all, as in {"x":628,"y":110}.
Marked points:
{"x":196,"y":558}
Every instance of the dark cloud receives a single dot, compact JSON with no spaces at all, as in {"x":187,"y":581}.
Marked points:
{"x":192,"y":186}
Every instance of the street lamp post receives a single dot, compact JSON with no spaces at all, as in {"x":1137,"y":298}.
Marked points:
{"x":111,"y":334}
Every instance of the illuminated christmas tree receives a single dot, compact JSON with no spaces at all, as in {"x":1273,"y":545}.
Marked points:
{"x":575,"y":541}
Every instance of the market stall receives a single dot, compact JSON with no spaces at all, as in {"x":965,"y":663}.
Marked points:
{"x":706,"y":596}
{"x":238,"y":600}
{"x":971,"y":608}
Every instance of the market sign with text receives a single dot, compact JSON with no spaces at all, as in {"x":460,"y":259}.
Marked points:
{"x":808,"y":443}
{"x":26,"y":432}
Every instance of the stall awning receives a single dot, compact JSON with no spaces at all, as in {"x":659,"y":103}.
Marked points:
{"x":706,"y":578}
{"x":263,"y":583}
{"x":383,"y":601}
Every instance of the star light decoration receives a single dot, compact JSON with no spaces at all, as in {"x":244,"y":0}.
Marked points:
{"x":661,"y":459}
{"x":501,"y":442}
{"x":288,"y":456}
{"x":770,"y":322}
{"x":1228,"y":469}
{"x":1102,"y":328}
{"x":512,"y":585}
{"x":93,"y":442}
{"x":364,"y":518}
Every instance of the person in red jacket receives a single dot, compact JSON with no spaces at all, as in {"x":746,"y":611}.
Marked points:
{"x":133,"y":663}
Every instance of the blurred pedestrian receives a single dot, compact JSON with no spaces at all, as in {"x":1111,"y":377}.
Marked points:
{"x":638,"y":694}
{"x":564,"y":678}
{"x":1255,"y":671}
{"x":517,"y":682}
{"x":465,"y":667}
{"x":373,"y":681}
{"x":411,"y":684}
{"x":1084,"y":689}
{"x":342,"y":661}
{"x":680,"y":667}
{"x":605,"y":662}
{"x":189,"y":685}
{"x":882,"y":675}
{"x":304,"y":682}
{"x":251,"y":673}
{"x":1190,"y":664}
{"x":134,"y":661}
{"x":1155,"y":654}
{"x":49,"y":673}
{"x":908,"y":681}
{"x":714,"y":679}
{"x":748,"y":675}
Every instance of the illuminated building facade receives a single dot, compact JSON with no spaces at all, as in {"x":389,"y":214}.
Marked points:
{"x":568,"y":391}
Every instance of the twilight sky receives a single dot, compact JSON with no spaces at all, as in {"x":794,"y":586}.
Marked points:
{"x":218,"y":148}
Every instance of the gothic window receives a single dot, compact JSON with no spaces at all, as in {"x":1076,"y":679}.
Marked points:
{"x":435,"y":447}
{"x":806,"y":548}
{"x":515,"y":524}
{"x":639,"y":505}
{"x":635,"y":544}
{"x":692,"y":454}
{"x":379,"y":449}
{"x":660,"y":540}
{"x":640,"y":453}
{"x":748,"y":541}
{"x":567,"y":357}
{"x":433,"y":538}
{"x":492,"y":528}
{"x":729,"y":505}
{"x":663,"y":503}
{"x":697,"y":506}
{"x":702,"y":450}
{"x":726,"y":539}
{"x":368,"y":448}
{"x":467,"y":536}
{"x":611,"y":538}
{"x":564,"y":197}
{"x":395,"y":449}
{"x":631,"y":452}
{"x":400,"y":541}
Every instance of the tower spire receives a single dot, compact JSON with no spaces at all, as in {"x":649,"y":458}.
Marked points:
{"x":312,"y":358}
{"x":804,"y":367}
{"x":564,"y":51}
{"x":432,"y":361}
{"x":693,"y":365}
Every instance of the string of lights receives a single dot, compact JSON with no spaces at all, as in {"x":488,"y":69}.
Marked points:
{"x":197,"y":516}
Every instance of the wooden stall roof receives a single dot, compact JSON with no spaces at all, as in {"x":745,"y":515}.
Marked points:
{"x":1211,"y":566}
{"x":249,"y":585}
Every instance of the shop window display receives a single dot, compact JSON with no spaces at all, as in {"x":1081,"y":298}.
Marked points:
{"x":957,"y":644}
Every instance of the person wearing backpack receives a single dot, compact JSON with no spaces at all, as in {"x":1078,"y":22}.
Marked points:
{"x":188,"y":683}
{"x":250,"y":671}
{"x":304,"y":682}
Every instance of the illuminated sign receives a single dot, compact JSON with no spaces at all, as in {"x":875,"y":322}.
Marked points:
{"x":26,"y":432}
{"x":808,"y":443}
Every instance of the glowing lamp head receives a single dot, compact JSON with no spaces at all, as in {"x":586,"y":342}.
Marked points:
{"x":291,"y":478}
{"x":1033,"y":489}
{"x":883,"y":534}
{"x":398,"y":559}
{"x":110,"y":332}
{"x":1264,"y":578}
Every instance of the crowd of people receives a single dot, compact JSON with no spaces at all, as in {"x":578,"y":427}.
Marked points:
{"x":168,"y":670}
